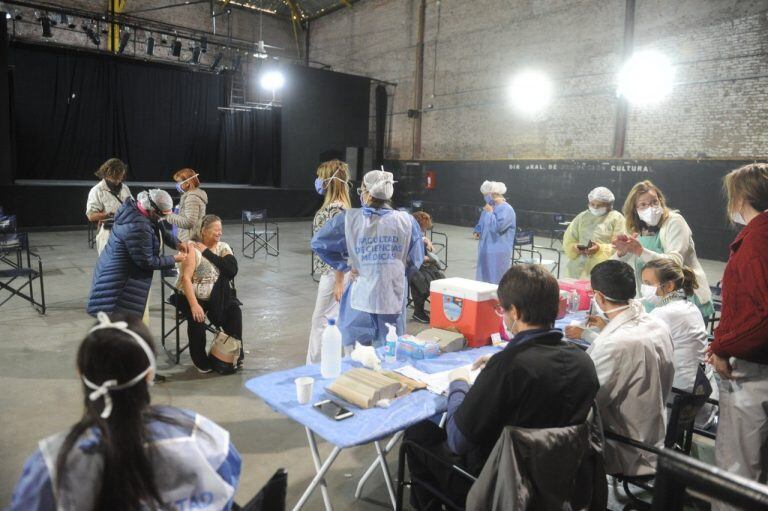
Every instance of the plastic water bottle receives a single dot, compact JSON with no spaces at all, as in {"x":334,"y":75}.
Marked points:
{"x":575,"y":302}
{"x":330,"y":351}
{"x":390,"y":355}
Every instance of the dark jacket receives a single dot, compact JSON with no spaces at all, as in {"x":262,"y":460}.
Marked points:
{"x":123,"y":273}
{"x":547,"y":469}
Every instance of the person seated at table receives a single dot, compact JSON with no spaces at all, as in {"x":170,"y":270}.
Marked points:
{"x":125,"y":454}
{"x":206,"y":286}
{"x":537,"y":381}
{"x":633,"y":356}
{"x":428,"y":272}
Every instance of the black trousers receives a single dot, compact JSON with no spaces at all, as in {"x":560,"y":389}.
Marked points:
{"x":439,"y":476}
{"x":232,"y":324}
{"x":419,"y":282}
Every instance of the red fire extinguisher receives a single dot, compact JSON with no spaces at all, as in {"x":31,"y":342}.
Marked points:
{"x":430,"y":182}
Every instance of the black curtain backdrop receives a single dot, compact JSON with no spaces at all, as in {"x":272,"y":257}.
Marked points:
{"x":73,"y":110}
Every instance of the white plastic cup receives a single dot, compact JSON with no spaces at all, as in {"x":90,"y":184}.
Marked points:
{"x":304,"y":389}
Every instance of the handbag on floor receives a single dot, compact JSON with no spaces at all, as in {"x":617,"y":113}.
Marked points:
{"x":224,"y":353}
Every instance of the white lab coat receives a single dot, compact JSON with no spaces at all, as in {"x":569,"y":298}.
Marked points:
{"x":633,"y":356}
{"x":677,"y":241}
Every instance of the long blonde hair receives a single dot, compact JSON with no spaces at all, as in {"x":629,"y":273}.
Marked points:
{"x":336,"y":190}
{"x":748,"y":183}
{"x":632,"y":219}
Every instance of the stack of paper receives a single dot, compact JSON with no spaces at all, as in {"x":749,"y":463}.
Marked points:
{"x":435,"y":382}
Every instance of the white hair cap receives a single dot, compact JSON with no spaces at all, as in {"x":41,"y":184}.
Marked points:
{"x":496,"y":187}
{"x":601,"y":194}
{"x":485,"y":188}
{"x":379,"y":183}
{"x":158,"y":196}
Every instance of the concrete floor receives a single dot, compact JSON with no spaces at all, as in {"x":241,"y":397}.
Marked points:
{"x":41,"y":394}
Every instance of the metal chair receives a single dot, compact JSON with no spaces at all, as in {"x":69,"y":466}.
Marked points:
{"x":441,"y":248}
{"x":559,"y":226}
{"x":717,"y":303}
{"x":169,"y":300}
{"x":261,"y":233}
{"x":533,"y":253}
{"x":92,"y":229}
{"x":16,"y":256}
{"x":679,"y":435}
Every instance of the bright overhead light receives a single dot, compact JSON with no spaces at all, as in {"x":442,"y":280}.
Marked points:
{"x":272,"y":80}
{"x":531,"y":91}
{"x":646,"y":78}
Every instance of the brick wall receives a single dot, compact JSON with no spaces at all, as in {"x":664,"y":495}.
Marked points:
{"x":472,"y":49}
{"x":195,"y":17}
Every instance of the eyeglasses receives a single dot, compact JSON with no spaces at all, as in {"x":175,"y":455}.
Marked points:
{"x":646,"y":205}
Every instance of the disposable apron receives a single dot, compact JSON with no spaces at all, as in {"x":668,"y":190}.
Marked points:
{"x":377,"y":244}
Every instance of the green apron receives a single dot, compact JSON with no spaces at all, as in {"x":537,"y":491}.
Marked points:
{"x":653,"y":243}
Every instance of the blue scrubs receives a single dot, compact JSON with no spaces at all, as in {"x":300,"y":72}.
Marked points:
{"x":330,"y":245}
{"x":497,"y":239}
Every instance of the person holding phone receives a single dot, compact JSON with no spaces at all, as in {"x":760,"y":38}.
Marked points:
{"x":587,"y":241}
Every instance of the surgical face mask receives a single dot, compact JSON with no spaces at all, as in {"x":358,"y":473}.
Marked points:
{"x":489,"y":199}
{"x":598,"y":211}
{"x":179,"y":188}
{"x":651,"y":215}
{"x":510,"y":330}
{"x":738,"y":218}
{"x":114,"y":187}
{"x":601,"y":313}
{"x":648,"y":294}
{"x":319,"y":188}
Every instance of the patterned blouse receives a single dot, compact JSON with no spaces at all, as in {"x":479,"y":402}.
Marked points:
{"x":323,"y":215}
{"x":206,"y":273}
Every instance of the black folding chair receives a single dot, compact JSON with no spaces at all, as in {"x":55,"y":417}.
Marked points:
{"x":92,"y":229}
{"x":170,"y":300}
{"x":18,"y":276}
{"x":261,"y":233}
{"x":559,"y":226}
{"x":527,"y":252}
{"x":679,"y":435}
{"x":440,"y":245}
{"x":717,"y":303}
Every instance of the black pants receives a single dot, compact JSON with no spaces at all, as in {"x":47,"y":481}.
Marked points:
{"x":420,"y":281}
{"x":438,"y":475}
{"x":232,"y":324}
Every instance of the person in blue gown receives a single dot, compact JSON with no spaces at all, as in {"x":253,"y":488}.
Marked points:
{"x":381,"y":247}
{"x":496,"y":230}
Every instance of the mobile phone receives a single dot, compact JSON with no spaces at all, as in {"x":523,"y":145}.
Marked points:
{"x":332,"y":410}
{"x":584,"y":247}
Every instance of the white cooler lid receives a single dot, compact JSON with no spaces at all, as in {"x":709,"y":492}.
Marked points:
{"x":465,"y":288}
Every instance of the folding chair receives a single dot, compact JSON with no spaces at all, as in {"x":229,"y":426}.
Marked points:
{"x":16,"y":257}
{"x":717,"y":302}
{"x":559,"y":226}
{"x":441,"y":248}
{"x":679,"y":435}
{"x":169,"y":300}
{"x":92,"y":229}
{"x":533,"y":253}
{"x":260,"y":233}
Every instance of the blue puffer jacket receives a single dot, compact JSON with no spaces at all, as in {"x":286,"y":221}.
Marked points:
{"x":123,"y":274}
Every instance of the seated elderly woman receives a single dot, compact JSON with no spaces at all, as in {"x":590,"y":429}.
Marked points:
{"x":429,"y":271}
{"x":206,"y":288}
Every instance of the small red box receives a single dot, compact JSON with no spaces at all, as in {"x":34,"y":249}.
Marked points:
{"x":582,"y":287}
{"x":464,"y":305}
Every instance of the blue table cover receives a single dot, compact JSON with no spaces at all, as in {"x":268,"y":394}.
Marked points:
{"x":278,"y":390}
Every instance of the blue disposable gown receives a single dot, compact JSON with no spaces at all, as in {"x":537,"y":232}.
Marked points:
{"x":497,"y":239}
{"x":330,"y":245}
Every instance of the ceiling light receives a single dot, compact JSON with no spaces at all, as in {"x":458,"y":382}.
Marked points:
{"x":124,"y":38}
{"x":196,"y":55}
{"x":45,"y":21}
{"x":531,"y":91}
{"x":646,"y":78}
{"x":176,"y":48}
{"x":272,"y":80}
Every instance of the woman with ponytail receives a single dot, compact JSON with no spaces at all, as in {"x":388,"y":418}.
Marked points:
{"x":124,"y":454}
{"x":666,"y":289}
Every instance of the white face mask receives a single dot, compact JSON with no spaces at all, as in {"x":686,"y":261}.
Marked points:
{"x":598,"y":211}
{"x":651,"y":216}
{"x":601,"y":313}
{"x":738,"y":218}
{"x":509,"y":330}
{"x":648,"y":294}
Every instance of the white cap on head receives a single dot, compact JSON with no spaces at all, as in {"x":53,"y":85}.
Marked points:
{"x":158,"y":196}
{"x":601,"y":194}
{"x":485,"y":188}
{"x":380,"y":184}
{"x":495,"y":187}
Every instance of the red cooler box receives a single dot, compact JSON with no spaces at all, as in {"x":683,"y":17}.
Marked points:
{"x":583,"y":287}
{"x":465,"y":305}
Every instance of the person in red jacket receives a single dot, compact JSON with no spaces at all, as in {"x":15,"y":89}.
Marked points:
{"x":739,"y":352}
